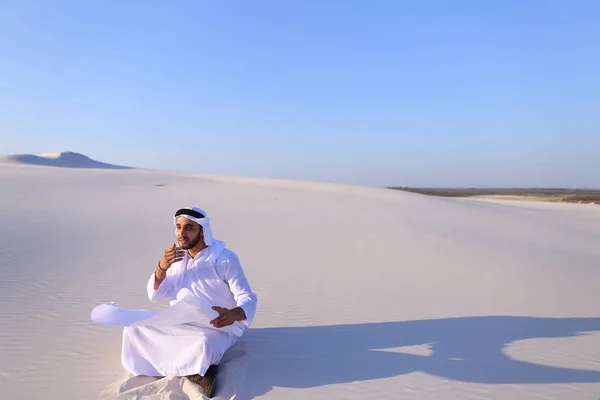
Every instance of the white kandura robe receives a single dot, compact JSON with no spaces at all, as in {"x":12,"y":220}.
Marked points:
{"x":215,"y":275}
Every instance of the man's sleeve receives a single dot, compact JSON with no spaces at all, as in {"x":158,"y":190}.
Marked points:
{"x":163,"y":291}
{"x":245,"y":298}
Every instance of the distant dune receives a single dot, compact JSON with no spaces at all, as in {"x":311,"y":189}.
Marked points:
{"x":66,"y":159}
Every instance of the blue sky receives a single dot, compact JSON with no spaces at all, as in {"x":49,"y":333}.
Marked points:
{"x":427,"y":93}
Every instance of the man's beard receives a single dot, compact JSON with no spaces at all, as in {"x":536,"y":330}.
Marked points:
{"x":192,"y":243}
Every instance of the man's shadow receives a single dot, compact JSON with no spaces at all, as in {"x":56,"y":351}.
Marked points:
{"x":462,"y":349}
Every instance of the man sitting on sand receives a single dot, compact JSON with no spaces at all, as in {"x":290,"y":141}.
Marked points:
{"x":210,"y":271}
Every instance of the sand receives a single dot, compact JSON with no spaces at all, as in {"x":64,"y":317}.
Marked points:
{"x":364,"y":293}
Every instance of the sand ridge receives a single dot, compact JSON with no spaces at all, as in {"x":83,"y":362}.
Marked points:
{"x":65,"y":159}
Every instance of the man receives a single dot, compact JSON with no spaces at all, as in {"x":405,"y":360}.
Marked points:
{"x":209,"y":270}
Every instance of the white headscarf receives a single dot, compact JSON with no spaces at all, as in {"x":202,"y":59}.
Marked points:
{"x":199,"y":216}
{"x":214,"y":247}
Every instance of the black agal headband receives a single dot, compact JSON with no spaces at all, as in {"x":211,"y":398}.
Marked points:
{"x":190,"y":212}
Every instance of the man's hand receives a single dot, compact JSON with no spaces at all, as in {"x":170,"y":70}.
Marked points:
{"x":227,"y":317}
{"x":170,"y":256}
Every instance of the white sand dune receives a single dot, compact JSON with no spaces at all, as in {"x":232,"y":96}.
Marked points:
{"x":364,"y":293}
{"x":65,"y":159}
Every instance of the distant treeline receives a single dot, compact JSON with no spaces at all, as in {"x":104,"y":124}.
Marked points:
{"x":571,"y":195}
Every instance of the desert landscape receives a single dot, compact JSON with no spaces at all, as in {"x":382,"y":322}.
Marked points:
{"x":363,"y":292}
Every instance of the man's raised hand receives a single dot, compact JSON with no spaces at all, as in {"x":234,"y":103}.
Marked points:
{"x":171,"y":255}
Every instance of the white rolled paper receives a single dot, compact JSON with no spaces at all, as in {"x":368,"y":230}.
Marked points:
{"x":188,"y":309}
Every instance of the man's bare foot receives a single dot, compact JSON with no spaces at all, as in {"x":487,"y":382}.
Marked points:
{"x":206,"y":382}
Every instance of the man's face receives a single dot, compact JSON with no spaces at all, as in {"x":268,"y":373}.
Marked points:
{"x":188,"y":233}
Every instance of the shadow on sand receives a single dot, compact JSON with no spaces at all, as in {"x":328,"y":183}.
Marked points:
{"x":462,"y":349}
